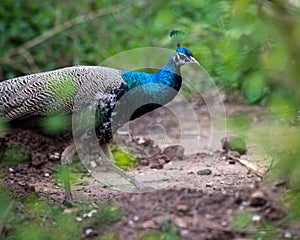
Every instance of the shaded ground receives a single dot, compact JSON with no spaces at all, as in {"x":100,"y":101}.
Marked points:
{"x":203,"y":190}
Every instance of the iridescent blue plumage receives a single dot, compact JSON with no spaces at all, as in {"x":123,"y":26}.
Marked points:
{"x":159,"y":88}
{"x":184,"y":51}
{"x":168,"y":76}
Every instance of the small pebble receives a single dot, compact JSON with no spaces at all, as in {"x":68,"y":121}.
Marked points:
{"x":130,"y":222}
{"x":224,"y":224}
{"x":208,"y":216}
{"x":141,"y":141}
{"x":204,"y":172}
{"x":256,"y":218}
{"x":88,"y":231}
{"x":209,"y":184}
{"x":288,"y":235}
{"x":182,"y":207}
{"x":149,"y":224}
{"x":184,"y":232}
{"x":90,"y":214}
{"x":70,"y":210}
{"x":54,"y":156}
{"x":257,"y":199}
{"x":93,"y":164}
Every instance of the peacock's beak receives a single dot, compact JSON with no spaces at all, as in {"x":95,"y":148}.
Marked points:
{"x":193,"y":60}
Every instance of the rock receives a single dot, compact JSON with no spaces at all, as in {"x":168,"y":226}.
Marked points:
{"x":256,"y":218}
{"x":233,"y":154}
{"x":161,"y":161}
{"x":180,"y":222}
{"x":156,"y":165}
{"x":208,"y":216}
{"x":231,"y":161}
{"x":182,"y":208}
{"x":237,"y":144}
{"x":174,"y":151}
{"x":205,"y":171}
{"x":130,"y":222}
{"x":90,"y":214}
{"x":288,"y":235}
{"x":257,"y":199}
{"x":149,"y":224}
{"x":201,"y":154}
{"x":184,"y":232}
{"x":54,"y":156}
{"x":88,"y":231}
{"x":144,"y":162}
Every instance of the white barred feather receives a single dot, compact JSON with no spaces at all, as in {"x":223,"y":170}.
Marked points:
{"x":55,"y":91}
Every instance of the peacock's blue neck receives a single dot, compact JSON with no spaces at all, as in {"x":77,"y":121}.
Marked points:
{"x":150,"y":91}
{"x":168,"y":76}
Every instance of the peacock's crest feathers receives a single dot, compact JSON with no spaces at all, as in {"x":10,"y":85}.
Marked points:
{"x":178,"y":37}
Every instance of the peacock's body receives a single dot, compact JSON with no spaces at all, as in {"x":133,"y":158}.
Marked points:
{"x":63,"y":91}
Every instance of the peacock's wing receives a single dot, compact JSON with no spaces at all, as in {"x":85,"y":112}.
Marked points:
{"x":55,"y":92}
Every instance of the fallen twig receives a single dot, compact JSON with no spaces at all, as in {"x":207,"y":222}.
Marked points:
{"x":250,"y":166}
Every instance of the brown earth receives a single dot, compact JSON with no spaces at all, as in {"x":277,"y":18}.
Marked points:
{"x":200,"y":191}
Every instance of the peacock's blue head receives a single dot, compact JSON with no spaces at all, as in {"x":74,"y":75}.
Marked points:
{"x":184,"y":56}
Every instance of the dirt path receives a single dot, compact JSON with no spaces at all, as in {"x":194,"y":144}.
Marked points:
{"x":201,"y":190}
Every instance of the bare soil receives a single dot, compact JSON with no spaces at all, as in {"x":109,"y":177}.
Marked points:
{"x":201,"y":190}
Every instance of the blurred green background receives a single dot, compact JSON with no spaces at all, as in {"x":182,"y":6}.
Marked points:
{"x":244,"y":45}
{"x":250,"y":49}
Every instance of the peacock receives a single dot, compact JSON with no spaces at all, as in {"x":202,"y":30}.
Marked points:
{"x":25,"y":100}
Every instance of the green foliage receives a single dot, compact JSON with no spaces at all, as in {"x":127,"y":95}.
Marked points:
{"x":292,"y":198}
{"x":266,"y":231}
{"x":109,"y":236}
{"x":110,"y":213}
{"x":74,"y":172}
{"x":55,"y":124}
{"x":239,"y":122}
{"x":255,"y":87}
{"x":31,"y":218}
{"x":35,"y":219}
{"x":151,"y":236}
{"x":242,"y":220}
{"x":13,"y":156}
{"x":3,"y":125}
{"x":273,"y":80}
{"x":227,"y":38}
{"x":5,"y":206}
{"x":123,"y":159}
{"x":169,"y":231}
